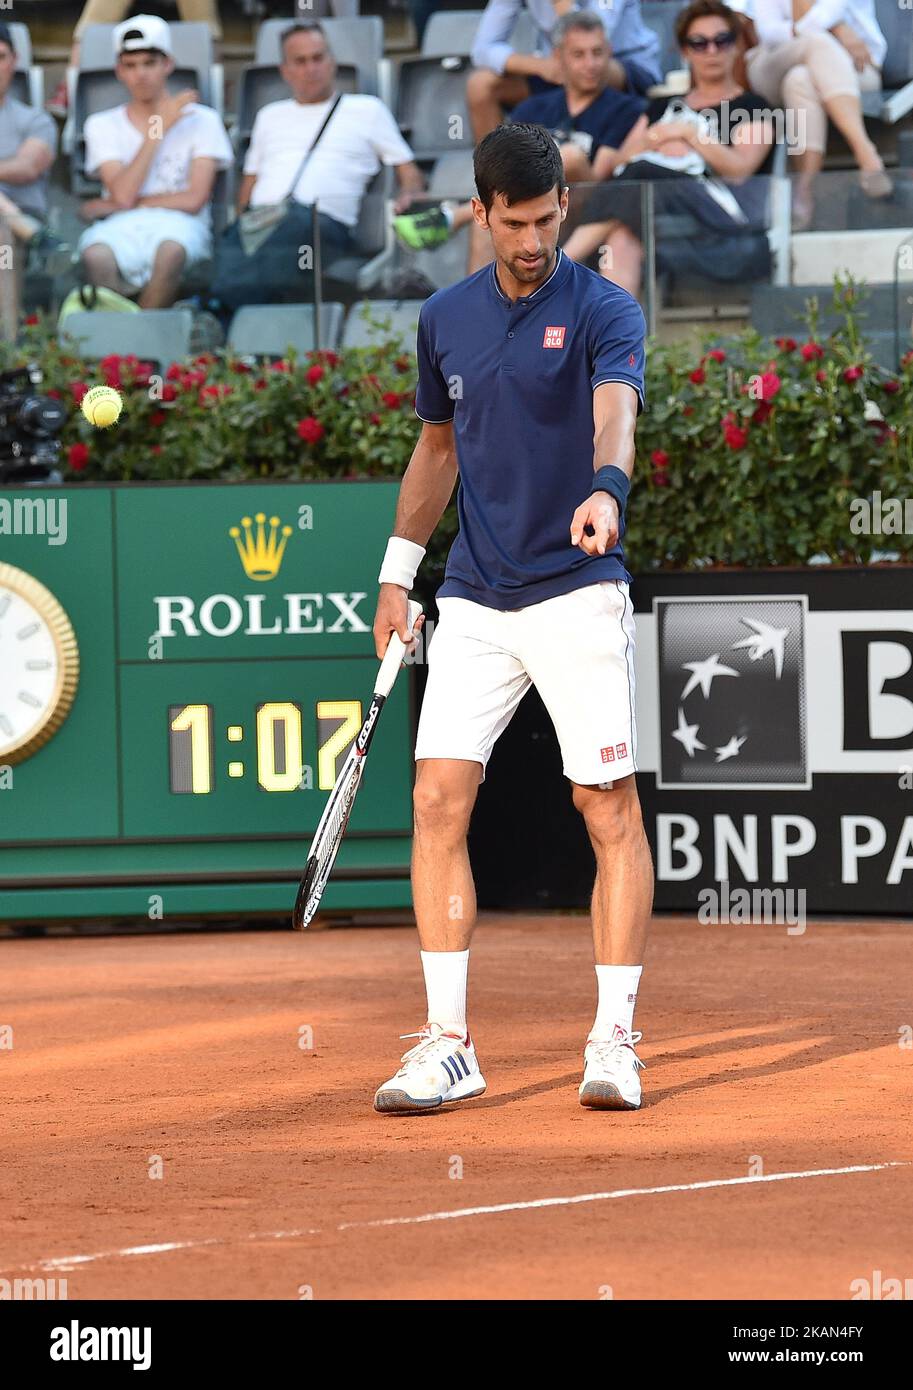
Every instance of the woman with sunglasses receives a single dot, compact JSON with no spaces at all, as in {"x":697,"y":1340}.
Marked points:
{"x":690,"y":144}
{"x":815,"y":57}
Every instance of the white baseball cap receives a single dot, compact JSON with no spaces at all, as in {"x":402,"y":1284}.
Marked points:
{"x":141,"y":32}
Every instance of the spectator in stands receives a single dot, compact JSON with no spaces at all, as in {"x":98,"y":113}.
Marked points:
{"x":112,"y":12}
{"x":360,"y":136}
{"x":716,"y":131}
{"x":588,"y":119}
{"x":815,"y":57}
{"x":503,"y":77}
{"x":28,"y":143}
{"x":157,"y":157}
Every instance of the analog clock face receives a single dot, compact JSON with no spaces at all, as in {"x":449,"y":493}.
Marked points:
{"x":39,"y":665}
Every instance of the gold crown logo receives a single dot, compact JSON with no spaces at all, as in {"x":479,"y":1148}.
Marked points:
{"x":261,"y":554}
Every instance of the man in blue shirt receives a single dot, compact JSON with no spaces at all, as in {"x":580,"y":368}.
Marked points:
{"x":530,"y":384}
{"x":502,"y":76}
{"x":587,"y":117}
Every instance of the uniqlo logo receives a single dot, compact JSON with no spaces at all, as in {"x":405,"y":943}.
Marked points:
{"x":608,"y":755}
{"x":621,"y":749}
{"x":554,"y":337}
{"x":631,"y":360}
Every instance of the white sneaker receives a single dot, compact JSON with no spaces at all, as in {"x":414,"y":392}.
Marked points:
{"x":610,"y":1076}
{"x":441,"y":1067}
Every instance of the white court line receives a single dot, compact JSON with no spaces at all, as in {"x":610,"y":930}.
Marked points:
{"x":70,"y":1261}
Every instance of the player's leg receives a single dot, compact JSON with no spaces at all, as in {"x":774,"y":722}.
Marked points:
{"x":475,"y":683}
{"x":579,"y":650}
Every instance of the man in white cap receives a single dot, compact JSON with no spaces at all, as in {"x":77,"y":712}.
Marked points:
{"x":157,"y":156}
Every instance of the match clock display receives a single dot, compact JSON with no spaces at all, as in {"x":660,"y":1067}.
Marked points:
{"x":39,"y":665}
{"x":221,"y":641}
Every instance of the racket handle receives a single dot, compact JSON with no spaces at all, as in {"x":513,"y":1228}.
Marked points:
{"x":396,"y":649}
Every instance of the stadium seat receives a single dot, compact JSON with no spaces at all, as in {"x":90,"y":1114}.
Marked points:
{"x":28,"y":81}
{"x":399,"y":316}
{"x":93,"y":87}
{"x":660,"y":16}
{"x":269,"y":330}
{"x":374,"y":240}
{"x":895,"y":99}
{"x":450,"y":31}
{"x":777,"y":309}
{"x":357,"y":43}
{"x":155,"y":335}
{"x":430,"y":104}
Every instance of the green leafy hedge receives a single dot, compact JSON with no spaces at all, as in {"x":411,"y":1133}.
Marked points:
{"x":748,"y":454}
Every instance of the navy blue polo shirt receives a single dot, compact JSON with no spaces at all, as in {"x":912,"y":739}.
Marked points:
{"x":607,"y":119}
{"x":517,"y":380}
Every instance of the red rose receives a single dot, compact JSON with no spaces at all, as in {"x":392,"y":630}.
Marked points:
{"x":174,"y":372}
{"x":391,"y":400}
{"x":315,"y":374}
{"x":169,"y":392}
{"x":158,"y":417}
{"x":811,"y":350}
{"x":240,"y":367}
{"x":821,"y":376}
{"x":402,"y":364}
{"x":30,"y":320}
{"x":260,"y":384}
{"x":310,"y":429}
{"x":332,"y":359}
{"x":78,"y":457}
{"x":736,"y":438}
{"x":770,"y":385}
{"x":761,"y":412}
{"x":280,"y":366}
{"x":852,"y":373}
{"x":207,"y":392}
{"x":374,"y":418}
{"x":786,"y":344}
{"x":155,"y":448}
{"x":688,"y":410}
{"x":660,"y":478}
{"x":697,"y":376}
{"x":659,"y":458}
{"x":52,"y":391}
{"x":79,"y":389}
{"x":890,"y":386}
{"x":371,"y":379}
{"x":717,"y":355}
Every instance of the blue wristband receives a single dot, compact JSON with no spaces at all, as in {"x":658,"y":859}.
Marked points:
{"x":615,"y":482}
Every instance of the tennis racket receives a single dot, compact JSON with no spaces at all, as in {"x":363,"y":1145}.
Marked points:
{"x":332,"y":827}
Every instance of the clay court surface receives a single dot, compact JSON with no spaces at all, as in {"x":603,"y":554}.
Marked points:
{"x":766,"y":1054}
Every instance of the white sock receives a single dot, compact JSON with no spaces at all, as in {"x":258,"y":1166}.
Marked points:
{"x":448,"y":209}
{"x":617,"y":986}
{"x":445,"y":985}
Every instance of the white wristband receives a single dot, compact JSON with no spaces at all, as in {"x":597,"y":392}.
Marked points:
{"x":401,"y":560}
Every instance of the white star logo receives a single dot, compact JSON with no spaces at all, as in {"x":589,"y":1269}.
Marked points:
{"x":729,"y":750}
{"x":765,"y":639}
{"x":687,"y":734}
{"x":703,"y":672}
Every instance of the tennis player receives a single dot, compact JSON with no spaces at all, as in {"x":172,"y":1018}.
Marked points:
{"x":530,"y":381}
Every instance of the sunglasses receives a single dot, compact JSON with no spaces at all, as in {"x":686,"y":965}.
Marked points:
{"x":725,"y":39}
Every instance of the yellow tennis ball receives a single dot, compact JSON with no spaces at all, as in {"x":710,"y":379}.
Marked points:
{"x":102,"y":406}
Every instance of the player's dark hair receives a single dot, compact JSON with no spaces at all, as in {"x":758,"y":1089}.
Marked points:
{"x":519,"y":162}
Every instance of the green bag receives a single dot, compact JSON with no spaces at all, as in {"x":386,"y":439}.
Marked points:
{"x":94,"y":297}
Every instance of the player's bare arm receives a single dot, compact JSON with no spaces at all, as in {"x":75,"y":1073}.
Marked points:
{"x":425,"y":491}
{"x":614,"y":420}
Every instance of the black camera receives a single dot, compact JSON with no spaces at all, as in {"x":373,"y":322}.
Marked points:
{"x":30,"y":426}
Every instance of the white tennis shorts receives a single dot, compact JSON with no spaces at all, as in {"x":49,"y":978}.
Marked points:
{"x":135,"y":234}
{"x":577,"y":649}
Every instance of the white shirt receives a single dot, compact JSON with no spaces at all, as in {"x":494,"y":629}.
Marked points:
{"x":197,"y":134}
{"x":774,"y":22}
{"x":361,"y":135}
